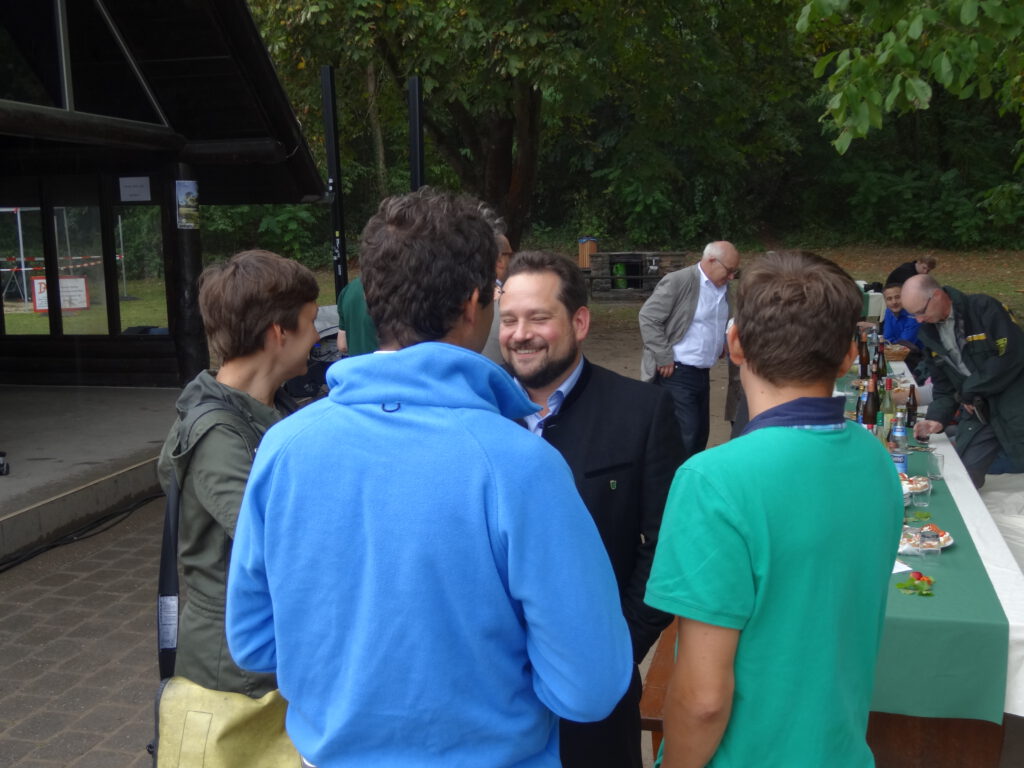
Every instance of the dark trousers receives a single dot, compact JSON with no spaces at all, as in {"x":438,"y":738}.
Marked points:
{"x":610,"y":743}
{"x":981,"y":452}
{"x":690,"y":388}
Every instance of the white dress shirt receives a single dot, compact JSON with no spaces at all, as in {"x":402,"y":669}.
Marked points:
{"x":704,"y":340}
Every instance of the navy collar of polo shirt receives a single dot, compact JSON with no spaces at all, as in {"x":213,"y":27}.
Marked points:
{"x":802,"y":413}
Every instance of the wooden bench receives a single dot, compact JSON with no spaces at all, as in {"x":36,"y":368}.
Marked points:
{"x":652,"y":704}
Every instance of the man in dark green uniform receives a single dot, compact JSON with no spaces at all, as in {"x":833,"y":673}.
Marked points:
{"x":357,"y":334}
{"x":975,"y":353}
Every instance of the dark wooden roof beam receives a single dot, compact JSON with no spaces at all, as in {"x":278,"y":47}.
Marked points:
{"x":29,"y":120}
{"x":232,"y":151}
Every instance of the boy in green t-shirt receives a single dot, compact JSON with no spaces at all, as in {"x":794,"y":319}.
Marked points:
{"x":776,"y":548}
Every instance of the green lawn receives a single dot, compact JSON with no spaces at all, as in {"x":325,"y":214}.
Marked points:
{"x":998,"y":273}
{"x":147,"y":307}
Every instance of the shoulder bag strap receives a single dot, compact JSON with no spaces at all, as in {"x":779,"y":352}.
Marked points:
{"x":168,"y":587}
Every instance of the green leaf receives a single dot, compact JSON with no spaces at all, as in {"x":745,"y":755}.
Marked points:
{"x":861,"y":118}
{"x":874,"y":114}
{"x":916,"y":27}
{"x":969,"y":11}
{"x":842,"y":142}
{"x":894,"y":93}
{"x":945,"y":71}
{"x":823,"y":62}
{"x":804,"y":20}
{"x":918,"y":91}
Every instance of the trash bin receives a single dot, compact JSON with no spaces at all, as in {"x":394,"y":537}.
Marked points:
{"x":588,"y":247}
{"x":619,"y":273}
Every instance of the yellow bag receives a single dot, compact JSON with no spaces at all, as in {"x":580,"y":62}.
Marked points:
{"x":197,"y":727}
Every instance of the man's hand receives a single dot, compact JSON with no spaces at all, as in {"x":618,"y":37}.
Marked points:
{"x":927,"y":427}
{"x":665,"y":371}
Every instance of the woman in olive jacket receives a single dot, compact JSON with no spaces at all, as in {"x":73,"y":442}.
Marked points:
{"x":258,"y":310}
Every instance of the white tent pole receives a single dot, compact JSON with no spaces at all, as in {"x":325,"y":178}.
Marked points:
{"x":124,"y":274}
{"x":21,"y":257}
{"x":67,"y":236}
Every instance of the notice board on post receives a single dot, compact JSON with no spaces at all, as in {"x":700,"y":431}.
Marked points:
{"x":74,"y":294}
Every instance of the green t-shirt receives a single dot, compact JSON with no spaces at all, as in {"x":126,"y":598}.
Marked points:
{"x":789,"y":536}
{"x":354,"y":319}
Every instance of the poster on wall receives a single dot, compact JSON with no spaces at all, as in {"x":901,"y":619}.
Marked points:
{"x":187,"y":195}
{"x":74,"y":294}
{"x":134,"y":189}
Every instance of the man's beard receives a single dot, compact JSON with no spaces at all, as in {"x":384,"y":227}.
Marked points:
{"x":547,"y":373}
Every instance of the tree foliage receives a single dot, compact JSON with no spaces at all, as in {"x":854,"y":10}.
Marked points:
{"x":665,"y":123}
{"x":489,"y":69}
{"x":885,"y":56}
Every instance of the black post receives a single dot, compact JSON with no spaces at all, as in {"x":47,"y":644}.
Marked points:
{"x":338,"y":256}
{"x":416,"y":176}
{"x":109,"y":250}
{"x":47,"y":212}
{"x":183,"y":263}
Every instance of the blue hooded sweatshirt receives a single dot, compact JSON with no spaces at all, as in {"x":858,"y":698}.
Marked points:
{"x":421,"y":573}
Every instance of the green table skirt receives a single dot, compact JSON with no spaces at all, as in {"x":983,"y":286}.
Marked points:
{"x":944,"y":656}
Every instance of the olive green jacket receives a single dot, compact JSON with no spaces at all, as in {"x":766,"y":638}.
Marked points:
{"x":992,"y":348}
{"x":211,"y":464}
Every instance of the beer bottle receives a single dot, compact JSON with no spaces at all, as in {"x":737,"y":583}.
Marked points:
{"x":869,"y":411}
{"x":888,"y":405}
{"x":880,"y":358}
{"x":911,"y":407}
{"x":862,"y":351}
{"x":880,"y":430}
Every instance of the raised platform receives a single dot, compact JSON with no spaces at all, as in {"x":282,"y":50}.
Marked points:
{"x":75,"y":454}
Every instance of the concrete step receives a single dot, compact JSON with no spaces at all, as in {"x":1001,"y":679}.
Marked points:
{"x":32,"y":526}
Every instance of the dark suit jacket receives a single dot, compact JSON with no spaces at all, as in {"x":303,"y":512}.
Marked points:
{"x":621,"y":440}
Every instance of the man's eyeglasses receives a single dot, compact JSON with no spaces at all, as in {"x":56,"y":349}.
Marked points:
{"x":730,"y":271}
{"x":923,"y":309}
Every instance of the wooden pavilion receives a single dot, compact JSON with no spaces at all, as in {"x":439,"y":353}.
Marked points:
{"x":106,"y":104}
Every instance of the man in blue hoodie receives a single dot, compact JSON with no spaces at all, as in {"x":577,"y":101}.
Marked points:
{"x":417,"y":569}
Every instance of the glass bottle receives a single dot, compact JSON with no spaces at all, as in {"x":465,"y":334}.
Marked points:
{"x":888,"y":405}
{"x":899,"y":430}
{"x":880,"y":430}
{"x":869,"y":412}
{"x":864,"y":355}
{"x":911,"y":407}
{"x":880,"y":358}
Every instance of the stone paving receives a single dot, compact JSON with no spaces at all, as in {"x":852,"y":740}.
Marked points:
{"x":78,"y":670}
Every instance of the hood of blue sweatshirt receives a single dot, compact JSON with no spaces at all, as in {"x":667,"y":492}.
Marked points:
{"x":430,"y":374}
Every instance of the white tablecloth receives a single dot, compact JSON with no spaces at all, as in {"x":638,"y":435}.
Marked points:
{"x":1003,"y":570}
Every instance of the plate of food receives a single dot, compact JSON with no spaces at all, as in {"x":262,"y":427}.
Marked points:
{"x":914,"y":484}
{"x":910,"y":540}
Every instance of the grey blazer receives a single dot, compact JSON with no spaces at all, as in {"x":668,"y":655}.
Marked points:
{"x":665,"y":317}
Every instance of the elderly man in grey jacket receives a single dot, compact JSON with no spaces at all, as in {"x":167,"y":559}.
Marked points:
{"x":683,"y":328}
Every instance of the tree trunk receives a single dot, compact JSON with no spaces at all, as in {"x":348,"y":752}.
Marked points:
{"x":524,"y":171}
{"x":373,"y":113}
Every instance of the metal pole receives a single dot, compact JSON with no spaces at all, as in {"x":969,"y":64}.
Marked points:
{"x":124,"y":274}
{"x":67,"y":237}
{"x":338,"y":255}
{"x":21,"y":256}
{"x":416,"y":175}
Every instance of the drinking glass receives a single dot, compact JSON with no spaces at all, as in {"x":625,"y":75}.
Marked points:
{"x":935,"y":465}
{"x":929,"y":544}
{"x":923,"y":497}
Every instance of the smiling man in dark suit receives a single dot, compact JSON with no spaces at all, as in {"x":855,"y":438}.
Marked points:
{"x":620,"y":439}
